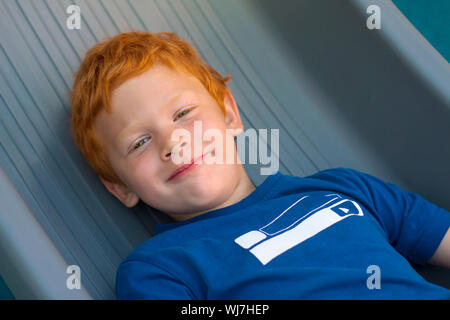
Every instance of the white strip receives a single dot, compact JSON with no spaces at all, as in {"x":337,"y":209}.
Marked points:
{"x":314,"y":224}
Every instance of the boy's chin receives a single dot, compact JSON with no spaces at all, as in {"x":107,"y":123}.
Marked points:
{"x":209,"y":187}
{"x":208,"y":195}
{"x":206,"y":192}
{"x":189,"y":209}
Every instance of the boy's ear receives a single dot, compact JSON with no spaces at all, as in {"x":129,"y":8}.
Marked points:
{"x":232,"y":116}
{"x":127,"y":197}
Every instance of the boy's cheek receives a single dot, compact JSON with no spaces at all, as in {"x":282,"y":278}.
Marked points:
{"x":141,"y":171}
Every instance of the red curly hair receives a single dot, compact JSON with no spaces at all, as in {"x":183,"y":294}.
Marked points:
{"x":113,"y":61}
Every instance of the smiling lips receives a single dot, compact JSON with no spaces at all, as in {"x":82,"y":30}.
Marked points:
{"x":185,"y":168}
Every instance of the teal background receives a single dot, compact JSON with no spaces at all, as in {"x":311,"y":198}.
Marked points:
{"x":5,"y":293}
{"x":432,"y":19}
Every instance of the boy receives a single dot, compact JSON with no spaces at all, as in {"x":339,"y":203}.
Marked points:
{"x":317,"y":237}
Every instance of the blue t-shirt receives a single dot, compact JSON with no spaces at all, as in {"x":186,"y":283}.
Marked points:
{"x":337,"y":234}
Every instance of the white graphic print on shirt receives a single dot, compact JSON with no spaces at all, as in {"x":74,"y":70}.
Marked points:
{"x":287,"y":230}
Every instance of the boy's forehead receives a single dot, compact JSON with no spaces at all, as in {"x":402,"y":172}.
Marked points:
{"x":159,"y":83}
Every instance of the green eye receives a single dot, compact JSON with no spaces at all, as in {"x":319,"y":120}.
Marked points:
{"x":182,"y":114}
{"x":140,"y":143}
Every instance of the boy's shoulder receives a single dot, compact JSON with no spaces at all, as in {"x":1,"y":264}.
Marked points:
{"x":147,"y":249}
{"x":341,"y":179}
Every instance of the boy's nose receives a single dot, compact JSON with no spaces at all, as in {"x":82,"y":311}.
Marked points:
{"x":171,"y":148}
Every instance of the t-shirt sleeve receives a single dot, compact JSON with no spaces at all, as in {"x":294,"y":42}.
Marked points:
{"x":415,"y":227}
{"x":140,"y":280}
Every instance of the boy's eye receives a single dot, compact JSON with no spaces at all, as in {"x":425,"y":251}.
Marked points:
{"x":182,"y":114}
{"x":140,"y":143}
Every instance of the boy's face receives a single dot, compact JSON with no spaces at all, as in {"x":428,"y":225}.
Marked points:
{"x":138,"y":140}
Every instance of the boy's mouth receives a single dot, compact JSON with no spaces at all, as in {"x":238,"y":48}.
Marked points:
{"x":185,"y":168}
